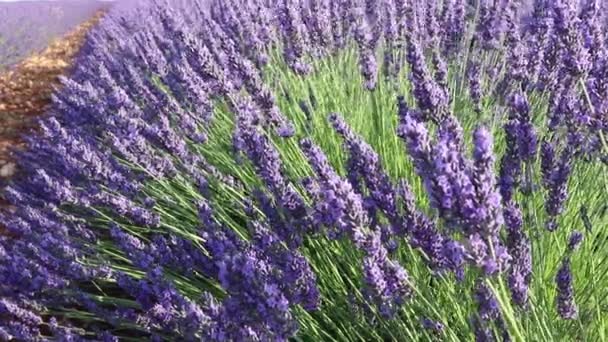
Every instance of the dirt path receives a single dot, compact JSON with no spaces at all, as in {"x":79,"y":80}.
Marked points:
{"x":25,"y":92}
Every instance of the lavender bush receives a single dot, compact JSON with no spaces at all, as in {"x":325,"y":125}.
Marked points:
{"x":321,"y":170}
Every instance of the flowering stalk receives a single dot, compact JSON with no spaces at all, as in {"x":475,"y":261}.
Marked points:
{"x":340,"y":207}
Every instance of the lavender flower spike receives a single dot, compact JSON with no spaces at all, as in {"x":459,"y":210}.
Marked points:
{"x":575,"y":240}
{"x":566,"y":307}
{"x":489,"y":214}
{"x":339,"y":206}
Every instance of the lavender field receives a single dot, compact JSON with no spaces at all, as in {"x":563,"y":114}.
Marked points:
{"x":321,"y":170}
{"x":28,"y":26}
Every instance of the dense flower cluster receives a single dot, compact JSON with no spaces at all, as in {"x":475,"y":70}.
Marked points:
{"x":163,"y":198}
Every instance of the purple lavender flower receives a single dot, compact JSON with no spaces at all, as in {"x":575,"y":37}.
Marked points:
{"x":592,"y":32}
{"x":242,"y":25}
{"x":556,"y":183}
{"x":321,"y":25}
{"x":339,"y":206}
{"x":454,"y":23}
{"x":391,"y":35}
{"x":455,"y":256}
{"x":474,"y":78}
{"x":482,"y":332}
{"x":339,"y":29}
{"x":576,"y":238}
{"x":487,"y":306}
{"x":575,"y":56}
{"x":248,"y":138}
{"x":433,"y":326}
{"x":539,"y":40}
{"x":547,"y":161}
{"x":521,"y":147}
{"x":489,"y":28}
{"x":433,"y":166}
{"x":441,"y":72}
{"x":464,"y":193}
{"x":520,"y":272}
{"x":367,"y":57}
{"x":516,"y":50}
{"x":264,"y":277}
{"x":164,"y":305}
{"x":566,"y":306}
{"x":295,"y":46}
{"x":337,"y":196}
{"x":488,"y":215}
{"x":365,"y":163}
{"x":526,"y":138}
{"x":488,"y":312}
{"x":19,"y":322}
{"x":429,"y":96}
{"x":259,"y":91}
{"x":441,"y":253}
{"x":417,"y":138}
{"x":510,"y":163}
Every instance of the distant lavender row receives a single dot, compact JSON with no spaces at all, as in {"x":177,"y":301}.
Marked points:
{"x":28,"y":26}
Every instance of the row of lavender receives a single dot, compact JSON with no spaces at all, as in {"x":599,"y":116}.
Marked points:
{"x":27,"y":27}
{"x":120,"y":218}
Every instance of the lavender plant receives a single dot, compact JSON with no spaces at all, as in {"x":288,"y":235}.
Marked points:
{"x":322,"y":170}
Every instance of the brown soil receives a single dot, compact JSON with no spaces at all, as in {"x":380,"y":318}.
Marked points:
{"x":25,"y":92}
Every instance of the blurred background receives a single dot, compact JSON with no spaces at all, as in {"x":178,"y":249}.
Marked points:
{"x":29,"y":26}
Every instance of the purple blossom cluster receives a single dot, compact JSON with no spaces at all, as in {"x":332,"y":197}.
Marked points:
{"x":342,"y":209}
{"x":461,"y":190}
{"x":124,"y":193}
{"x":565,"y":301}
